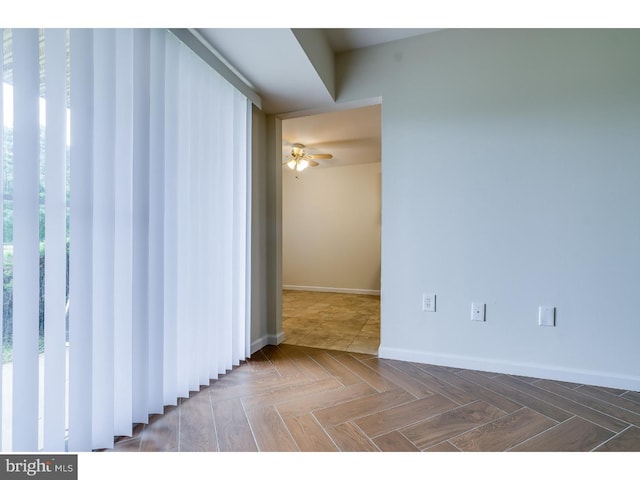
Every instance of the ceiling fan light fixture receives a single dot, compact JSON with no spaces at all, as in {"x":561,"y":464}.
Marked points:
{"x":297,"y":150}
{"x":299,"y":160}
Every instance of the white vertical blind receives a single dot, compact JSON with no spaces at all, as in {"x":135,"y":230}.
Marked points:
{"x":157,"y":232}
{"x":123,"y":296}
{"x":26,"y":240}
{"x":156,"y":223}
{"x":141,"y":45}
{"x":104,"y":254}
{"x":170,"y":235}
{"x":2,"y":120}
{"x":56,"y":239}
{"x":81,"y":241}
{"x":182,"y":226}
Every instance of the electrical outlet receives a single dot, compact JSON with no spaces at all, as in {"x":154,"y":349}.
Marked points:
{"x":547,"y":316}
{"x":478,"y":312}
{"x":429,"y":302}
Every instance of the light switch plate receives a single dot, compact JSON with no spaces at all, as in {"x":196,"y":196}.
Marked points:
{"x":547,"y":316}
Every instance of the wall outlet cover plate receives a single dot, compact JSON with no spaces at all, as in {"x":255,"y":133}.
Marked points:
{"x":547,"y":316}
{"x":429,"y":302}
{"x":478,"y":312}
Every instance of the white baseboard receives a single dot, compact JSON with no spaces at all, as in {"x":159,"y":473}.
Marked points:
{"x":259,"y":343}
{"x":276,"y":339}
{"x":585,"y":377}
{"x":357,"y":291}
{"x":267,"y":340}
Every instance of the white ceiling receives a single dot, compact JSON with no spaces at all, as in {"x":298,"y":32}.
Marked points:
{"x":272,"y":61}
{"x":276,"y":66}
{"x":351,"y":136}
{"x":344,"y":39}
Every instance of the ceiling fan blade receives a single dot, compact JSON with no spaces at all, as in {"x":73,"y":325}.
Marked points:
{"x":320,"y":156}
{"x":313,"y":163}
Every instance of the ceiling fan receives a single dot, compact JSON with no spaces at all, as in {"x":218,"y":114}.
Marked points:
{"x":299,"y":159}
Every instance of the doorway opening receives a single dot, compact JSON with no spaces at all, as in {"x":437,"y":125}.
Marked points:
{"x":331,"y":230}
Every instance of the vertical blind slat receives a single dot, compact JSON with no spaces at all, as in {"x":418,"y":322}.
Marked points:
{"x":156,"y":223}
{"x":2,"y":120}
{"x":197,"y":286}
{"x":170,"y":259}
{"x":123,"y":233}
{"x":55,"y":240}
{"x":242,"y":220}
{"x":81,"y":225}
{"x":140,"y":365}
{"x":248,"y":199}
{"x":26,"y":240}
{"x":182,"y":227}
{"x":226,"y":217}
{"x":104,"y":254}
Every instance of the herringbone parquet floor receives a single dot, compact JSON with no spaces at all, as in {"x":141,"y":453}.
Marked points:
{"x":295,"y":398}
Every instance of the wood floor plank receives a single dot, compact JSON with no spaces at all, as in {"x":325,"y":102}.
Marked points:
{"x":360,"y":407}
{"x":569,"y":385}
{"x":573,"y":435}
{"x":335,"y":368}
{"x":309,"y":435}
{"x":503,"y":433}
{"x":451,"y":424}
{"x":243,"y":377}
{"x":524,"y":399}
{"x":377,"y":381}
{"x":484,"y":373}
{"x":473,"y":389}
{"x":603,"y":395}
{"x":592,"y":402}
{"x":323,"y":400}
{"x":627,"y":441}
{"x":304,"y":362}
{"x":290,"y":393}
{"x":362,"y":356}
{"x":432,"y":383}
{"x":259,"y":361}
{"x":254,"y":387}
{"x":394,"y":442}
{"x":442,"y":447}
{"x":407,"y":382}
{"x":281,"y":362}
{"x":585,"y":412}
{"x":612,"y":391}
{"x":633,"y":396}
{"x":161,"y":434}
{"x":349,"y":438}
{"x":197,"y":427}
{"x":232,"y":427}
{"x":395,"y":418}
{"x":269,"y":430}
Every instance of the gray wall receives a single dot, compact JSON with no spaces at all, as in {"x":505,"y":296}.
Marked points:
{"x":259,"y":231}
{"x":511,"y":177}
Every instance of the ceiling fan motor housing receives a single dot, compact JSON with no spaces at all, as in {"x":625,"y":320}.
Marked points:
{"x":297,"y":150}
